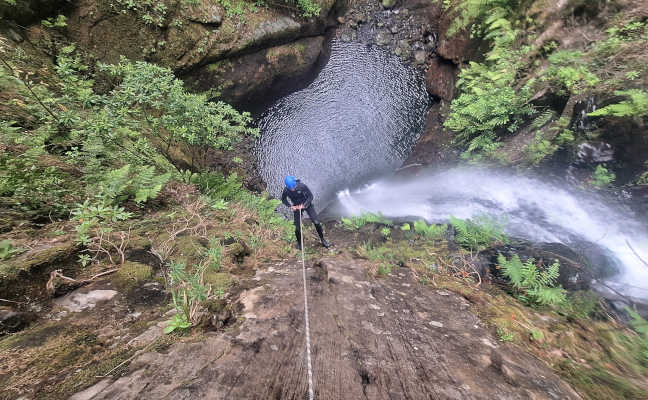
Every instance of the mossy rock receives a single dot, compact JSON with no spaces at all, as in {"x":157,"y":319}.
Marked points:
{"x":23,"y":273}
{"x":188,"y":250}
{"x":131,"y":274}
{"x":218,"y":279}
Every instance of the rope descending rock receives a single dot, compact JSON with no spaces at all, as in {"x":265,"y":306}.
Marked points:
{"x":308,"y":352}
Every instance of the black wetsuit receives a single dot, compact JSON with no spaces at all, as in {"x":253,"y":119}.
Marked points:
{"x":301,"y":194}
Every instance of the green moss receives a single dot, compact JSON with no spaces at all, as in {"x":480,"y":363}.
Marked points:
{"x":132,"y":273}
{"x":222,"y":280}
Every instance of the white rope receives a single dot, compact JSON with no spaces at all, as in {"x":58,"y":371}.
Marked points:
{"x":308,"y":352}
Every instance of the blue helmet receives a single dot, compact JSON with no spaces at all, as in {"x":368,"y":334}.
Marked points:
{"x":290,"y":181}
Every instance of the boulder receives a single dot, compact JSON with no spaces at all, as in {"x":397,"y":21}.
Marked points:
{"x":82,"y":299}
{"x":440,"y":78}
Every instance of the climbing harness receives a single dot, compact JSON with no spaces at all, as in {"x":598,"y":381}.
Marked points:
{"x":308,"y":352}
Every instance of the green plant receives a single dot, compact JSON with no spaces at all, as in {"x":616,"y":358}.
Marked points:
{"x":121,"y":184}
{"x":569,"y":70}
{"x":489,"y":105}
{"x":7,"y":250}
{"x":640,"y":325}
{"x":635,"y":105}
{"x":533,"y":284}
{"x":405,"y":227}
{"x":178,"y":322}
{"x":479,"y":233}
{"x":505,"y":335}
{"x":537,"y":335}
{"x":187,"y":291}
{"x":59,"y":22}
{"x":384,"y":269}
{"x":217,"y":186}
{"x":357,"y":222}
{"x":581,"y":304}
{"x":539,"y":149}
{"x":430,"y":232}
{"x":214,"y":254}
{"x":602,"y":177}
{"x":385,"y":232}
{"x":84,"y":259}
{"x":90,"y":216}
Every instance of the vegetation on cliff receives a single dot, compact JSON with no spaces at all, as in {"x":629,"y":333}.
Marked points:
{"x":544,"y":58}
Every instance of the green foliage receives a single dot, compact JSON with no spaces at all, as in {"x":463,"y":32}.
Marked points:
{"x":124,"y":183}
{"x":640,"y":325}
{"x":91,"y":215}
{"x":534,"y":284}
{"x":58,"y":23}
{"x":217,"y":186}
{"x":488,"y":104}
{"x":569,"y":70}
{"x":385,"y":232}
{"x":405,"y":227}
{"x":187,"y":290}
{"x":121,"y":144}
{"x":479,"y":233}
{"x":151,"y":12}
{"x":178,"y":322}
{"x":177,"y":120}
{"x":602,"y":177}
{"x":430,"y":232}
{"x":505,"y":335}
{"x":635,"y":105}
{"x":581,"y":304}
{"x":474,"y":11}
{"x":214,"y":255}
{"x":357,"y":222}
{"x":7,"y":250}
{"x":266,"y":211}
{"x":539,"y":149}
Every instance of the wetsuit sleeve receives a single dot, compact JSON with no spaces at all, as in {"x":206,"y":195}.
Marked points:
{"x":309,"y":197}
{"x":284,"y":197}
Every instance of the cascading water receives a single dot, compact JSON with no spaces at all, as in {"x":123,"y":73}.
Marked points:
{"x":358,"y":119}
{"x":533,"y":210}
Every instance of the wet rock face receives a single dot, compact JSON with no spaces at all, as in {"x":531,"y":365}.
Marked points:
{"x":197,"y":40}
{"x":12,"y":320}
{"x":249,"y":78}
{"x":403,"y":27}
{"x":370,"y":339}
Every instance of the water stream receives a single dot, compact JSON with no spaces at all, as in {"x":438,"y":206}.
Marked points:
{"x":532,"y":209}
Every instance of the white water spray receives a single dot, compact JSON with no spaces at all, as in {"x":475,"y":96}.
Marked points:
{"x":533,"y":210}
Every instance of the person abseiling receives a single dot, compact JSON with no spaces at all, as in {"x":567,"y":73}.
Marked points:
{"x":302,"y":199}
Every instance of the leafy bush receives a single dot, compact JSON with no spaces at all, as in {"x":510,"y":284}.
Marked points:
{"x":636,"y":105}
{"x":569,"y":70}
{"x":430,"y":232}
{"x":602,"y":177}
{"x":266,"y":211}
{"x":124,"y":183}
{"x":478,"y":234}
{"x":217,"y":186}
{"x":533,"y":284}
{"x":488,"y":104}
{"x":91,"y":215}
{"x":357,"y":222}
{"x":187,"y":292}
